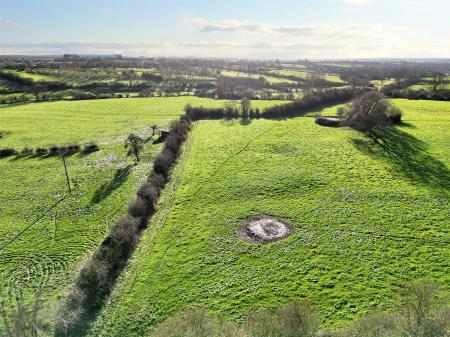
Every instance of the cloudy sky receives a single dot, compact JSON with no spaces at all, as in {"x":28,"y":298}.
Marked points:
{"x":285,"y":29}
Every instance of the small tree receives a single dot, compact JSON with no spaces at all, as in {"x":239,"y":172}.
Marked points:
{"x":245,"y":106}
{"x":370,"y":111}
{"x":437,"y":82}
{"x":36,"y":89}
{"x":154,"y":127}
{"x":134,"y":145}
{"x":230,"y":108}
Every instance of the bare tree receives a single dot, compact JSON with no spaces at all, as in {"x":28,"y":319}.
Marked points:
{"x":154,"y":127}
{"x":245,"y":106}
{"x":134,"y":145}
{"x":370,"y":111}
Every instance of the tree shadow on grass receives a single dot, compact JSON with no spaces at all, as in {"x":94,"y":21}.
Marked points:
{"x":409,"y":157}
{"x":106,"y":189}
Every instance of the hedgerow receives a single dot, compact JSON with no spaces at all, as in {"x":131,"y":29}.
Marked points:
{"x":99,"y":273}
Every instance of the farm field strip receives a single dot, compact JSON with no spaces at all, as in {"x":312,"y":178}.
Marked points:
{"x":345,"y":255}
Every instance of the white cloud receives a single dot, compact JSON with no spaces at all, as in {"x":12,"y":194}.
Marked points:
{"x":311,"y":48}
{"x":349,"y":31}
{"x":9,"y":24}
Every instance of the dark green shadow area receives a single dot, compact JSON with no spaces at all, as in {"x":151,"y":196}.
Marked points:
{"x":106,"y":189}
{"x":408,"y":156}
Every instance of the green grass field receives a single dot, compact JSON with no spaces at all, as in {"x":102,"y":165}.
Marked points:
{"x":367,"y":219}
{"x":425,"y":86}
{"x":270,"y":79}
{"x":63,"y":122}
{"x":41,"y":247}
{"x":302,"y":75}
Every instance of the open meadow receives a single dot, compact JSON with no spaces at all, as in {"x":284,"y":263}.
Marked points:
{"x":367,"y":218}
{"x":46,"y":232}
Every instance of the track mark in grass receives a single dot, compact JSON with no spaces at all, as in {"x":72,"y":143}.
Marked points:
{"x":33,"y":223}
{"x":233,"y":155}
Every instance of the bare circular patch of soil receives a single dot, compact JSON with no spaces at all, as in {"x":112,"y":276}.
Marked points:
{"x":263,"y":229}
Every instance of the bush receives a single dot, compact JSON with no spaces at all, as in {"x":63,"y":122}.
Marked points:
{"x":193,"y":323}
{"x":41,"y":151}
{"x":163,"y":163}
{"x":149,"y":193}
{"x":294,"y":319}
{"x":140,"y":208}
{"x":369,"y":111}
{"x":172,"y":143}
{"x":26,"y":151}
{"x":53,"y":150}
{"x":91,"y":147}
{"x":157,"y":180}
{"x":395,"y":115}
{"x":73,"y":148}
{"x":8,"y":152}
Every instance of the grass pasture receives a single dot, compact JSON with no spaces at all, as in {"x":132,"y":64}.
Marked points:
{"x":270,"y":79}
{"x":44,"y":231}
{"x":303,"y":75}
{"x":63,"y":122}
{"x":367,"y":219}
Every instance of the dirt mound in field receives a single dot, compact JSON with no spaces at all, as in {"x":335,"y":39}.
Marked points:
{"x":263,"y":229}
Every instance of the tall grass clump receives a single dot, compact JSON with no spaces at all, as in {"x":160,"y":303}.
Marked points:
{"x":99,"y":273}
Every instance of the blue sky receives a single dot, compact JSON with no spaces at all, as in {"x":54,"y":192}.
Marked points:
{"x":285,"y":29}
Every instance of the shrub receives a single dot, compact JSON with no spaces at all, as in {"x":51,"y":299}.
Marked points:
{"x":294,"y":319}
{"x":173,"y":142}
{"x":140,"y":208}
{"x":149,"y":193}
{"x":41,"y":151}
{"x":53,"y":150}
{"x":26,"y":151}
{"x":91,"y":147}
{"x":395,"y":115}
{"x":163,"y":163}
{"x":157,"y":180}
{"x":8,"y":152}
{"x":73,"y":148}
{"x":368,"y":111}
{"x":193,"y":323}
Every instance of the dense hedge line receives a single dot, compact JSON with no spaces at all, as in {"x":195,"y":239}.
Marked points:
{"x":52,"y":150}
{"x":440,"y":95}
{"x":98,"y":275}
{"x":308,"y":102}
